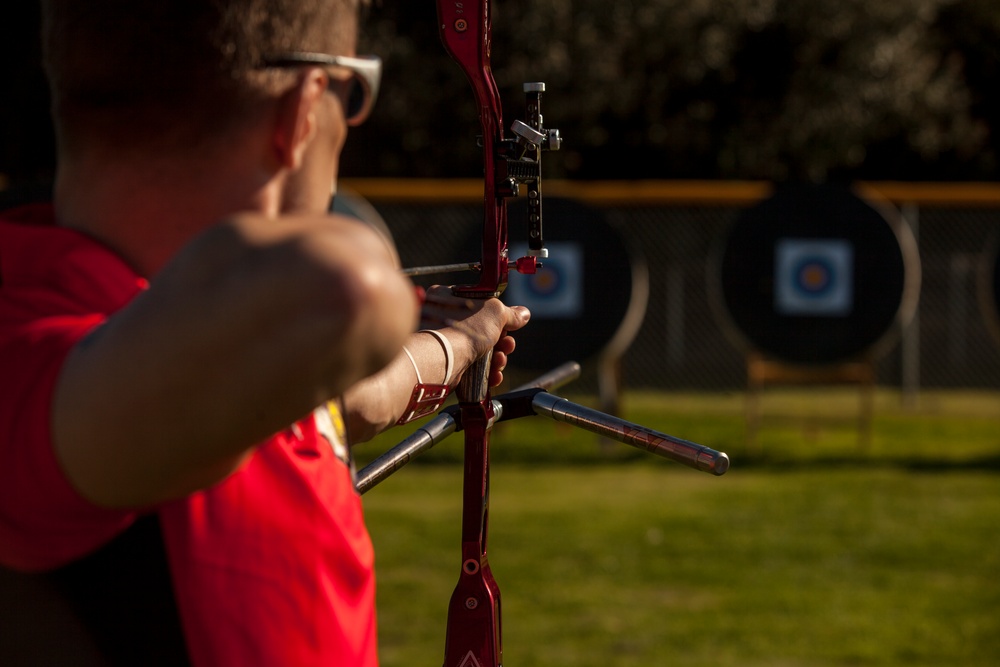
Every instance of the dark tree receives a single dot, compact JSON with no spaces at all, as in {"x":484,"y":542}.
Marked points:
{"x":772,"y":89}
{"x":762,"y":89}
{"x":27,"y":152}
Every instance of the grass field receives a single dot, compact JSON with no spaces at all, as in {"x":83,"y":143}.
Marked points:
{"x":810,"y":551}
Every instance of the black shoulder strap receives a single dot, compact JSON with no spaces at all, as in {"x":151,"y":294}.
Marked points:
{"x":113,"y":608}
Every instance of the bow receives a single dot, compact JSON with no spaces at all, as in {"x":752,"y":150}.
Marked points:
{"x":511,"y":167}
{"x":473,"y":636}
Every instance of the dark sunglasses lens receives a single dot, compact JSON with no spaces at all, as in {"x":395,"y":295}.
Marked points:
{"x":355,"y":98}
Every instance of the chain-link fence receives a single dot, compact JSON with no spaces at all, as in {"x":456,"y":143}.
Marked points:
{"x":676,"y":229}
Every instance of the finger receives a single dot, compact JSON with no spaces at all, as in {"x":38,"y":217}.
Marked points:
{"x":443,"y":294}
{"x":517,"y":317}
{"x":505,"y":345}
{"x":498,"y":364}
{"x":439,"y":290}
{"x":496,"y":378}
{"x":450,"y":302}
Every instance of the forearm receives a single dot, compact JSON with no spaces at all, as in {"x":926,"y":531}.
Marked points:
{"x":377,"y":402}
{"x":479,"y":328}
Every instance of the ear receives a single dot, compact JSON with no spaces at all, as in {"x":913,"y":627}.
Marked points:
{"x":295,"y":124}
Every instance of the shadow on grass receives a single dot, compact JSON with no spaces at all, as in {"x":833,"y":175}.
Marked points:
{"x":452,"y":456}
{"x":989,"y":463}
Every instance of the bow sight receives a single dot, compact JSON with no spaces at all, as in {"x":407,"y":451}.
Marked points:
{"x":524,"y":166}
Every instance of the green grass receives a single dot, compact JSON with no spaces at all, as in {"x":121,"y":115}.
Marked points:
{"x":809,"y":551}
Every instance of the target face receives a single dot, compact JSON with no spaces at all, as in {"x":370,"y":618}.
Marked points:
{"x":816,"y":274}
{"x":813,"y":277}
{"x":556,"y":290}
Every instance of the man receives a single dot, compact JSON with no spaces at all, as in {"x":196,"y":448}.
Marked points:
{"x":189,"y":341}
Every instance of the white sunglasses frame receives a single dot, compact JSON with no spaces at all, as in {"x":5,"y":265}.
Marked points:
{"x":365,"y":70}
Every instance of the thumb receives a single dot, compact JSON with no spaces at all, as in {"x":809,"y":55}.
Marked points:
{"x":517,"y":317}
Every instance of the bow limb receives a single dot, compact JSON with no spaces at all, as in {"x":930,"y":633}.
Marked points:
{"x":465,"y":32}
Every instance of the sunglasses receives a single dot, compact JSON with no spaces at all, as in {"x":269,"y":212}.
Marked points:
{"x":366,"y":72}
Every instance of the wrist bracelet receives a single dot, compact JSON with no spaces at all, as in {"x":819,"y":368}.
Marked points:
{"x":428,"y":398}
{"x":449,"y":353}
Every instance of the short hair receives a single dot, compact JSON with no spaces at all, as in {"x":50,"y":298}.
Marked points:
{"x":146,"y":74}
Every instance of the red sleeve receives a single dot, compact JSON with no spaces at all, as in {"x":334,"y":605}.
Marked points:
{"x":44,"y":522}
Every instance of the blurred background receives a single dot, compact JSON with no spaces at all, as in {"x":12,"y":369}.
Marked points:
{"x":858,"y":523}
{"x":705,"y":89}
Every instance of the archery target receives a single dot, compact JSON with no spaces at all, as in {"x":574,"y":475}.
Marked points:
{"x":813,"y":277}
{"x":815,"y":274}
{"x":556,"y":290}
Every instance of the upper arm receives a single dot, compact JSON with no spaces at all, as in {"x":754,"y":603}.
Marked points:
{"x":250,"y":327}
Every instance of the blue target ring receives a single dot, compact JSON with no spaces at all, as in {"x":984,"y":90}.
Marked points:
{"x":813,"y":277}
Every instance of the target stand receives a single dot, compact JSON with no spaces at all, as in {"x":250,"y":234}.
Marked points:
{"x":762,"y":372}
{"x":988,"y":285}
{"x":814,"y":283}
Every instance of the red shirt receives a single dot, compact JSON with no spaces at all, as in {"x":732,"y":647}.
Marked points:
{"x":272,"y":566}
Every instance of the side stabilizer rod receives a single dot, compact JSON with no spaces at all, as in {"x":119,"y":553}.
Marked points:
{"x":444,"y":424}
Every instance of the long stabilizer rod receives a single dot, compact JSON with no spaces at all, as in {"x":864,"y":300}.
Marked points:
{"x":681,"y":451}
